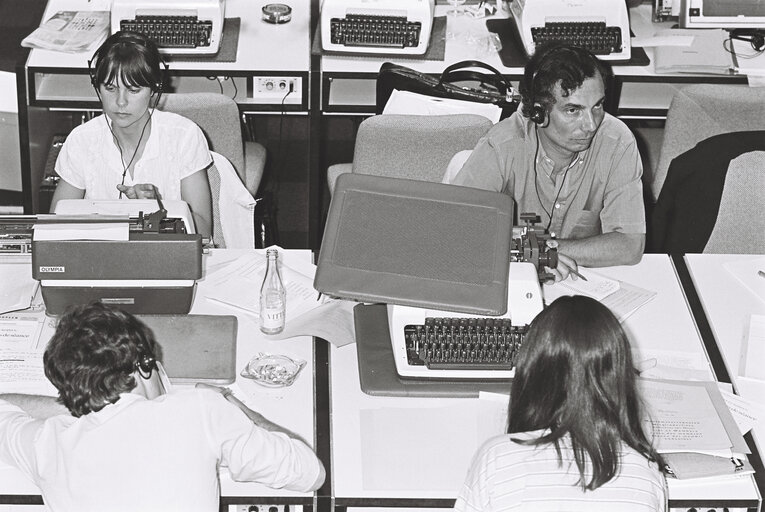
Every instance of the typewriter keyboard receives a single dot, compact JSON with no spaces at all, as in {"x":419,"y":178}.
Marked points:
{"x":172,"y":31}
{"x":594,"y":36}
{"x":380,"y":31}
{"x":464,"y":343}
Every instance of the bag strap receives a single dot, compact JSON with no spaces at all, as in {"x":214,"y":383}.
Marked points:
{"x":450,"y":70}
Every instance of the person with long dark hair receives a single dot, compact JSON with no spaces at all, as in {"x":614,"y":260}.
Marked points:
{"x":575,"y":439}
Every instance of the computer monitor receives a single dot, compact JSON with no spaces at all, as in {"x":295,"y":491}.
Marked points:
{"x":728,"y":14}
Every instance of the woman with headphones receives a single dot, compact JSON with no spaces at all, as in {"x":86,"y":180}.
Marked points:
{"x":134,"y":150}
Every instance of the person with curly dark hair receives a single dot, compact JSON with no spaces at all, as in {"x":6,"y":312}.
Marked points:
{"x":563,"y":157}
{"x":575,"y":439}
{"x":123,"y":443}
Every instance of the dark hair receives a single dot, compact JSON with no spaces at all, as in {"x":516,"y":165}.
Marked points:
{"x":129,"y":56}
{"x":92,"y":355}
{"x":575,"y":376}
{"x":552,"y":63}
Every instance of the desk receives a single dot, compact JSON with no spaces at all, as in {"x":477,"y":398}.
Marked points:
{"x":348,"y":82}
{"x":292,"y":407}
{"x":728,"y":305}
{"x":662,"y":324}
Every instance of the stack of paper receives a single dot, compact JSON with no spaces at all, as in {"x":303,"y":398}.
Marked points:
{"x":70,"y":31}
{"x":693,"y":429}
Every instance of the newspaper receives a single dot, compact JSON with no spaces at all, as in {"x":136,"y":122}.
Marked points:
{"x":70,"y":32}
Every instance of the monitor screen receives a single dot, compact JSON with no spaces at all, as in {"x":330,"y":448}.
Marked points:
{"x":722,"y":14}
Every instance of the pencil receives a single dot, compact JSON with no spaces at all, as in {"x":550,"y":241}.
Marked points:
{"x":577,"y":274}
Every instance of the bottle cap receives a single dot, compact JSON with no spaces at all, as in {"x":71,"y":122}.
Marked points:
{"x":277,"y":13}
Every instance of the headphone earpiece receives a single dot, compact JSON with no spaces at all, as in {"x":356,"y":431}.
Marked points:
{"x":538,"y":114}
{"x":145,"y":365}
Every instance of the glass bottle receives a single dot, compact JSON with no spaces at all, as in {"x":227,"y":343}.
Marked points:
{"x":273,"y":296}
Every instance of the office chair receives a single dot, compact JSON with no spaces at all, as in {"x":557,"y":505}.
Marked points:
{"x":700,"y":111}
{"x":218,"y":117}
{"x":410,"y":146}
{"x":710,"y":184}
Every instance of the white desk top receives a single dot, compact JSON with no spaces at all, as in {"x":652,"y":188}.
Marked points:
{"x":663,"y":323}
{"x":262,"y":46}
{"x":291,"y":407}
{"x":728,"y":305}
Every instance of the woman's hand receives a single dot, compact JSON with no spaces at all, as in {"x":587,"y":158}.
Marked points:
{"x":139,"y":191}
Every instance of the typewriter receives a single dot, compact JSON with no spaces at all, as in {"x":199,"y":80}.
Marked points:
{"x":191,"y":27}
{"x":146,"y":264}
{"x":601,"y":26}
{"x":377,"y":26}
{"x":434,"y":344}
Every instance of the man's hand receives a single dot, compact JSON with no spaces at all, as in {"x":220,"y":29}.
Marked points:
{"x":139,"y":191}
{"x":564,"y":269}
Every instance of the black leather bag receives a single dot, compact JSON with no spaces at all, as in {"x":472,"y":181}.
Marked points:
{"x":460,"y":81}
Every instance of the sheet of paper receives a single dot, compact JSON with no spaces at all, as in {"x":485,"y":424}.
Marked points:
{"x":18,"y":287}
{"x":406,"y":102}
{"x":620,"y":297}
{"x":753,"y":353}
{"x":23,"y":337}
{"x":331,"y":321}
{"x":683,"y":417}
{"x":746,"y":412}
{"x":596,"y":286}
{"x":403,"y":462}
{"x":238,"y":285}
{"x":82,"y":231}
{"x":747,"y":271}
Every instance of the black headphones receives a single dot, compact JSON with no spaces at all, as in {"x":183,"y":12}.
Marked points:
{"x":755,"y":37}
{"x":146,"y":362}
{"x":538,"y":111}
{"x":143,"y":45}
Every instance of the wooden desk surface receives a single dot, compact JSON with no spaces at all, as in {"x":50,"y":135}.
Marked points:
{"x":292,"y":407}
{"x":663,"y":327}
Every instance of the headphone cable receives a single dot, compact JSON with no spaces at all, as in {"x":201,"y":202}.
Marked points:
{"x":119,"y":147}
{"x":536,"y":185}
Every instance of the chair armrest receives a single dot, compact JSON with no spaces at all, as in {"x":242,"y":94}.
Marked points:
{"x":254,"y":163}
{"x":334,"y":172}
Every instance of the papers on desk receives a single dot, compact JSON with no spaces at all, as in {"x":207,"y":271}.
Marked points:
{"x":70,"y":31}
{"x":706,"y":52}
{"x":19,"y":288}
{"x":753,"y":351}
{"x":23,"y":337}
{"x":694,"y":429}
{"x":237,"y":285}
{"x":747,"y":271}
{"x":621,"y":298}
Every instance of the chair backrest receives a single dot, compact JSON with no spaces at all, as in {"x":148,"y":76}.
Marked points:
{"x":414,"y":146}
{"x":740,"y":222}
{"x":700,"y":111}
{"x":218,"y":117}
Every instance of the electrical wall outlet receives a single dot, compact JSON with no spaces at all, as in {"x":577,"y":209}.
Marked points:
{"x":275,"y":89}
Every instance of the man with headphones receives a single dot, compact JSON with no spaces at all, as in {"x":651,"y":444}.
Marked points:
{"x":564,"y":158}
{"x":122,"y":443}
{"x":135,"y":150}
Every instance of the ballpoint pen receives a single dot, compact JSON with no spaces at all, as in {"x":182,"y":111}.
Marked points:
{"x":577,"y":274}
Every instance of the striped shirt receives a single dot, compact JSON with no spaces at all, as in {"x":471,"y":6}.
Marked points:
{"x":506,"y":475}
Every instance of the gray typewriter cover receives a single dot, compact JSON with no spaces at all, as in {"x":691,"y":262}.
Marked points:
{"x":416,"y":243}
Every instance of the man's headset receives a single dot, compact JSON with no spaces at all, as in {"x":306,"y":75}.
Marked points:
{"x":142,"y":44}
{"x":538,"y":113}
